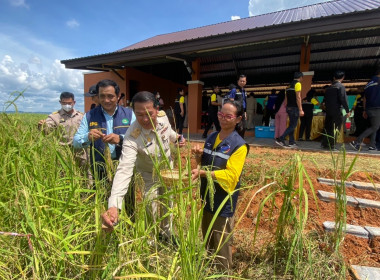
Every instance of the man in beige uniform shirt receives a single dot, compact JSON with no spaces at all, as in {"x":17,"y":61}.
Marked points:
{"x":66,"y":121}
{"x":140,"y":145}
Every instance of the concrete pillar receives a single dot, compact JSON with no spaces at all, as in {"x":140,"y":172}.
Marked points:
{"x":195,"y":105}
{"x":195,"y":87}
{"x":304,"y":68}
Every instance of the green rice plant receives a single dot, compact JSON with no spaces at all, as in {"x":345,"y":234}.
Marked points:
{"x":291,"y":222}
{"x":46,"y":195}
{"x":340,"y":176}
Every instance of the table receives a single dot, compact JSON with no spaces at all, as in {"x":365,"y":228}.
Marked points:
{"x":317,"y":127}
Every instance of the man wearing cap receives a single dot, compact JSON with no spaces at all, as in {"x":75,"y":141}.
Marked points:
{"x":66,"y":122}
{"x":103,"y":127}
{"x":94,"y":96}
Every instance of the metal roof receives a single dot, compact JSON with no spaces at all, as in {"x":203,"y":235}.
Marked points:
{"x":343,"y":34}
{"x":326,"y":9}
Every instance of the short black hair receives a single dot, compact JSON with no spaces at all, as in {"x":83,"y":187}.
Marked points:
{"x":179,"y":90}
{"x":107,"y":83}
{"x":298,"y":75}
{"x":143,"y":97}
{"x":66,"y":95}
{"x":242,"y":76}
{"x":339,"y":74}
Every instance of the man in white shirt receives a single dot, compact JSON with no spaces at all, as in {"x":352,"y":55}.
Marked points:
{"x":141,"y":143}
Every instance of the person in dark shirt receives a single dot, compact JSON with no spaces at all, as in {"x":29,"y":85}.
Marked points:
{"x":307,"y":119}
{"x":213,"y":111}
{"x":269,"y":107}
{"x":238,"y":94}
{"x":180,"y":109}
{"x":294,"y":110}
{"x":371,"y":105}
{"x":361,"y":123}
{"x":335,"y":100}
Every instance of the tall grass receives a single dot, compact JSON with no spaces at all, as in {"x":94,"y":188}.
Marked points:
{"x":45,"y":194}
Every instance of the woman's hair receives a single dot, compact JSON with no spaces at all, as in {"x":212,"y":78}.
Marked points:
{"x":239,"y":112}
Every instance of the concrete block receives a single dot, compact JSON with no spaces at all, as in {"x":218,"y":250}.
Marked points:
{"x":373,"y":232}
{"x":331,"y":197}
{"x":350,"y":229}
{"x":366,"y":186}
{"x":368,"y":203}
{"x":366,"y":272}
{"x":331,"y":182}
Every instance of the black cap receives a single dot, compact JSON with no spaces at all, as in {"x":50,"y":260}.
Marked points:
{"x":91,"y":92}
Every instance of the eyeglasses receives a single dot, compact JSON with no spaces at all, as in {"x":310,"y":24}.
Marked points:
{"x":226,"y":117}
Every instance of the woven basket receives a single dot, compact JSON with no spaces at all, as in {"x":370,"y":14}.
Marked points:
{"x":171,"y":177}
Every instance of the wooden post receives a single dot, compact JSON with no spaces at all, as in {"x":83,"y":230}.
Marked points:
{"x":304,"y":68}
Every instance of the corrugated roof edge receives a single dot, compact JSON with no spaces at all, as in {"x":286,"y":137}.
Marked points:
{"x":128,"y":48}
{"x":154,"y":43}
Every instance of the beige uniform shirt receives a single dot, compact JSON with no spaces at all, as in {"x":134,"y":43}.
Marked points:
{"x":139,"y":146}
{"x":69,"y":124}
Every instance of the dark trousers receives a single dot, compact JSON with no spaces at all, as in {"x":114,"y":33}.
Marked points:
{"x":212,"y":119}
{"x":378,"y":139}
{"x":374,"y":119}
{"x":179,"y":122}
{"x":293,"y":114}
{"x":333,"y":124}
{"x":305,"y":126}
{"x":361,"y":123}
{"x":268,"y":114}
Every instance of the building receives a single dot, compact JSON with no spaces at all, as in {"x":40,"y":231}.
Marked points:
{"x":315,"y":39}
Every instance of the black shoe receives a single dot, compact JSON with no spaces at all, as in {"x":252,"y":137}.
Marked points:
{"x":355,"y":145}
{"x":371,"y":148}
{"x":300,"y":139}
{"x":281,"y":143}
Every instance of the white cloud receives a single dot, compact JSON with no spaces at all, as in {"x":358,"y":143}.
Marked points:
{"x":42,"y":90}
{"x":34,"y":60}
{"x":19,"y":3}
{"x":72,"y":23}
{"x":235,"y":17}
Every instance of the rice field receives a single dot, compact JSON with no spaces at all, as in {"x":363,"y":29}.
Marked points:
{"x":51,"y":228}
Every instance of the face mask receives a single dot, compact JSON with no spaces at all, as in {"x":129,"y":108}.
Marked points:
{"x":67,"y":107}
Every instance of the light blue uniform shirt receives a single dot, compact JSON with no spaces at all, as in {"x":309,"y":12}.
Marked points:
{"x":81,"y":136}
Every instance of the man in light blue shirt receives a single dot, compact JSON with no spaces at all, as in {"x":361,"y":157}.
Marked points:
{"x":105,"y":124}
{"x":81,"y":137}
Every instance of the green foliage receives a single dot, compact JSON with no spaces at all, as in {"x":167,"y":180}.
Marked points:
{"x":45,"y":194}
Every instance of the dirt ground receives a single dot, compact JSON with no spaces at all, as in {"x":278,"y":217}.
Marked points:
{"x":355,"y":250}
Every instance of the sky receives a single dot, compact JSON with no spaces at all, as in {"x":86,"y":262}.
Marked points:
{"x":35,"y":35}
